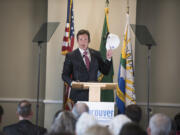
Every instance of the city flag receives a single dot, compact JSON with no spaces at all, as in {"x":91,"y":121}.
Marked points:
{"x":125,"y":90}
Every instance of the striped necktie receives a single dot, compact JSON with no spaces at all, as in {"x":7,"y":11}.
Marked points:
{"x":86,"y":59}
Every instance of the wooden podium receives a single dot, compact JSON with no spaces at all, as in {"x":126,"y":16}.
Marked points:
{"x":94,"y":89}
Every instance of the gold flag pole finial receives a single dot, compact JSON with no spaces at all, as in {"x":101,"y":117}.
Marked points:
{"x":107,"y":3}
{"x":106,"y":13}
{"x":127,"y":6}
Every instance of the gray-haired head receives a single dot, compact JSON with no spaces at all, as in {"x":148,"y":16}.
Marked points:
{"x":117,"y":123}
{"x":159,"y":124}
{"x":64,"y":122}
{"x":84,"y":122}
{"x":79,"y":108}
{"x":98,"y":130}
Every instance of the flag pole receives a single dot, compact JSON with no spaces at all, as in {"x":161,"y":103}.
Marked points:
{"x":106,"y":14}
{"x":105,"y":95}
{"x":127,"y":6}
{"x":107,"y":3}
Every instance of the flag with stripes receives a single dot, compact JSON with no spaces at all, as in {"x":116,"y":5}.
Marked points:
{"x":67,"y":46}
{"x":68,"y":40}
{"x":126,"y":91}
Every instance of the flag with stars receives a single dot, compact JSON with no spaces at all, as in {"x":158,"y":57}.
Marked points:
{"x":68,"y":40}
{"x":68,"y":43}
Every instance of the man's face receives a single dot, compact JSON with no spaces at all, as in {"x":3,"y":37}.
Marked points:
{"x":83,"y":41}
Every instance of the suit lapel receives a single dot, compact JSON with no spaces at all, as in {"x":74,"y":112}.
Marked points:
{"x":92,"y":59}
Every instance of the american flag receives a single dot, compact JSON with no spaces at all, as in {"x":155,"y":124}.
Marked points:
{"x":68,"y":40}
{"x":68,"y":43}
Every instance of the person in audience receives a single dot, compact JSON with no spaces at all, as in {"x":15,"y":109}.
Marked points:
{"x":62,"y":133}
{"x":159,"y":124}
{"x":173,"y":128}
{"x":84,"y":122}
{"x":56,"y":115}
{"x":79,"y":108}
{"x":134,"y":112}
{"x":132,"y":129}
{"x":177,"y":123}
{"x":1,"y":114}
{"x":117,"y":123}
{"x":24,"y":126}
{"x":64,"y":123}
{"x":97,"y":130}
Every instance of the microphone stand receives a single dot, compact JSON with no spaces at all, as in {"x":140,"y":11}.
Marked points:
{"x":38,"y":85}
{"x":42,"y":36}
{"x":148,"y":81}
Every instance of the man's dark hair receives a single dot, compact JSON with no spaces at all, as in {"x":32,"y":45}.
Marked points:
{"x":24,"y":108}
{"x":132,"y":129}
{"x":177,"y":121}
{"x":134,"y":112}
{"x":82,"y":32}
{"x":1,"y":112}
{"x":61,"y":133}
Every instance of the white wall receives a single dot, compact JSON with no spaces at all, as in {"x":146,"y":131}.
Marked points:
{"x":20,"y":20}
{"x":162,"y":19}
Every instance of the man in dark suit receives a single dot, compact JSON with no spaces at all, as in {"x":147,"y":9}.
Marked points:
{"x":1,"y":114}
{"x":24,"y":126}
{"x":83,"y":64}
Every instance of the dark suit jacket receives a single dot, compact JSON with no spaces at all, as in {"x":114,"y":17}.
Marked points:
{"x":23,"y":127}
{"x":1,"y":133}
{"x":75,"y":65}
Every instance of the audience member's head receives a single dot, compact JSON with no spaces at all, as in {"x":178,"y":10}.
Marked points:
{"x":97,"y":130}
{"x":61,"y":133}
{"x":132,"y":129}
{"x":1,"y":113}
{"x":134,"y":112}
{"x":79,"y":108}
{"x":177,"y":121}
{"x":24,"y":110}
{"x":117,"y":123}
{"x":173,"y":128}
{"x":159,"y":124}
{"x":56,"y":115}
{"x":84,"y":122}
{"x":64,"y":122}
